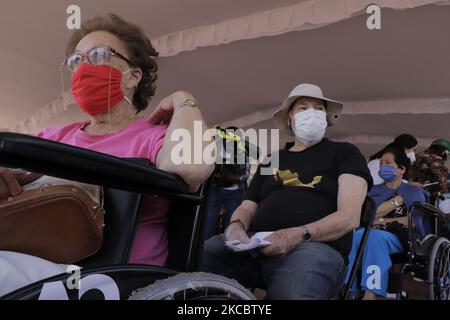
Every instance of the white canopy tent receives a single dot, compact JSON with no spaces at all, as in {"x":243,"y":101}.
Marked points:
{"x":240,"y":59}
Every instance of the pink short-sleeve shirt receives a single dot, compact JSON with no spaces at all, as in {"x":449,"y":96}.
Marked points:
{"x":139,"y":139}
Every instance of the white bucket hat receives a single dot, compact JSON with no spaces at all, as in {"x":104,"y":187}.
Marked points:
{"x":334,"y":108}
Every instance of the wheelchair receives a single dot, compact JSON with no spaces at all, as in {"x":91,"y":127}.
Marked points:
{"x":108,"y":275}
{"x":426,"y":258}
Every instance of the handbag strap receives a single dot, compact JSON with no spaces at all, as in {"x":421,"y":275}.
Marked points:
{"x":25,"y":177}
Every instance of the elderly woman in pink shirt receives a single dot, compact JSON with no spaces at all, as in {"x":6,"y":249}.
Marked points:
{"x":113,"y":78}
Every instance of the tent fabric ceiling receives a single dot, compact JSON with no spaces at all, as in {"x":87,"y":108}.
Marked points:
{"x":300,"y":16}
{"x":400,"y":72}
{"x":34,"y":34}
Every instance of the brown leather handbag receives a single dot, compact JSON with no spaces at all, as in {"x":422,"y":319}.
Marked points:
{"x":62,"y":222}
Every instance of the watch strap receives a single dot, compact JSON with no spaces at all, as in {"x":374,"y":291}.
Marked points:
{"x":187,"y":103}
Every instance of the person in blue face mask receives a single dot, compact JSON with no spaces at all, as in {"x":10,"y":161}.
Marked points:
{"x":404,"y":142}
{"x":393,"y":198}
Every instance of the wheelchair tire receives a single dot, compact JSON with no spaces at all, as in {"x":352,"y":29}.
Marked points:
{"x":194,"y":286}
{"x":439,"y":270}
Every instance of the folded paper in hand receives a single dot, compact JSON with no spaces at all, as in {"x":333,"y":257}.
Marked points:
{"x":256,"y":241}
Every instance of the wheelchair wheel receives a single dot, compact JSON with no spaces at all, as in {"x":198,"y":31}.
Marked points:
{"x":439,"y":270}
{"x":194,"y":286}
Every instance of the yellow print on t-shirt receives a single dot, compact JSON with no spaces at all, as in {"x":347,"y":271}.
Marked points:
{"x":291,"y":179}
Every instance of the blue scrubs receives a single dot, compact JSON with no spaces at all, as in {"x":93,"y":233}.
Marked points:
{"x":376,"y":262}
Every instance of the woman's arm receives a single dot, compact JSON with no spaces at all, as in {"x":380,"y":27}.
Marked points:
{"x":387,"y":206}
{"x":185,"y":118}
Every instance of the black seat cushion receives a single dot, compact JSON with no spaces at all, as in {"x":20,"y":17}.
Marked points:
{"x":121,"y":219}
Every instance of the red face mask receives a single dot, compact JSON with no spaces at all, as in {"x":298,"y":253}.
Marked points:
{"x":97,"y":89}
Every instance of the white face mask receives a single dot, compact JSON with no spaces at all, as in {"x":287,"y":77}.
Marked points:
{"x":412,"y":156}
{"x":310,"y":125}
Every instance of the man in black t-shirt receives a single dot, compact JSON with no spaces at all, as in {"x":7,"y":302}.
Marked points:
{"x":312,"y":202}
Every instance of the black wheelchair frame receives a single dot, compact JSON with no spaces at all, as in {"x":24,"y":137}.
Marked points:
{"x":368,"y":214}
{"x":422,"y":256}
{"x":125,"y":181}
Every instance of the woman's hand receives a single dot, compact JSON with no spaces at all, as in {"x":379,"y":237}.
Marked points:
{"x":9,"y":186}
{"x":164,"y":111}
{"x":402,"y":220}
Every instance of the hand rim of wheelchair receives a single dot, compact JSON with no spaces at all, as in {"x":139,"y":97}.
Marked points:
{"x":439,"y":270}
{"x":194,"y":286}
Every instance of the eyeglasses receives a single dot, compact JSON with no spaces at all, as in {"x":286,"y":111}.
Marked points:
{"x":96,"y":56}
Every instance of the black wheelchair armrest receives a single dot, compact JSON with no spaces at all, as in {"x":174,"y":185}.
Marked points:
{"x":426,"y":208}
{"x":73,"y":163}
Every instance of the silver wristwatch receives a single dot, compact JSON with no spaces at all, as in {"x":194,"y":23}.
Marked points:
{"x":306,"y":234}
{"x":395,"y":203}
{"x":186,"y":103}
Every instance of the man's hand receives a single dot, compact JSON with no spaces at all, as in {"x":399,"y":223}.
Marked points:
{"x":9,"y":186}
{"x":164,"y":111}
{"x":282,"y":242}
{"x":235,"y":231}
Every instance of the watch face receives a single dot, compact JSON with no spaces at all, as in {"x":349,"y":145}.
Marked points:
{"x":191,"y":102}
{"x":306,"y":235}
